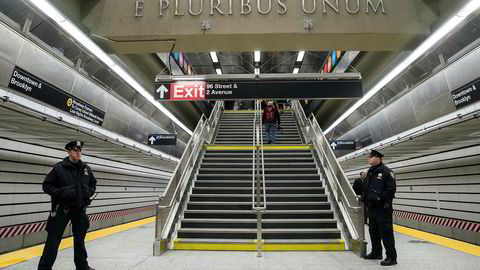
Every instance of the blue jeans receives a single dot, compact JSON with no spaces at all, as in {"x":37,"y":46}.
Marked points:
{"x":271,"y":131}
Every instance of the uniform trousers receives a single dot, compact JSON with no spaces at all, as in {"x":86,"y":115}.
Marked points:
{"x":56,"y":224}
{"x":380,"y":225}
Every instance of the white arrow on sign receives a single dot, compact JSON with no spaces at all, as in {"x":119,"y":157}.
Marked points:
{"x":152,"y":140}
{"x":333,"y":145}
{"x":162,"y":90}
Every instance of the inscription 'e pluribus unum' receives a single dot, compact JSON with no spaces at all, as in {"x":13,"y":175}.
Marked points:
{"x":226,"y":7}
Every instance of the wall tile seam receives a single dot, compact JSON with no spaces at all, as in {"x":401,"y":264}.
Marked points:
{"x":436,"y":220}
{"x":17,"y":230}
{"x":97,"y":160}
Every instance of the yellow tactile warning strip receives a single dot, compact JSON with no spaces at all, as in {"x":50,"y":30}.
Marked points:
{"x":240,"y":111}
{"x":440,"y":240}
{"x":265,"y":147}
{"x":249,"y":111}
{"x":36,"y":251}
{"x":229,"y":147}
{"x":334,"y":246}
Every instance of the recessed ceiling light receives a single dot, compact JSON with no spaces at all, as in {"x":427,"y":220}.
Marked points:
{"x":214,"y":57}
{"x":301,"y":55}
{"x":257,"y":56}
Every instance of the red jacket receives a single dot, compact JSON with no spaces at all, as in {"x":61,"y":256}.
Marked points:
{"x":276,"y":115}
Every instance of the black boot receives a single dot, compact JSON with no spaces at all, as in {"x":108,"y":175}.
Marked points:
{"x":388,"y":262}
{"x":373,"y":256}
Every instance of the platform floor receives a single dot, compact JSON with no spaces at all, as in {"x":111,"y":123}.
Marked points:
{"x":132,"y":249}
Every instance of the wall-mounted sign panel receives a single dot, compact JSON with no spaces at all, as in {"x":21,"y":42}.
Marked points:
{"x":32,"y":86}
{"x":162,"y":139}
{"x":245,"y":90}
{"x":467,"y":95}
{"x":343,"y":145}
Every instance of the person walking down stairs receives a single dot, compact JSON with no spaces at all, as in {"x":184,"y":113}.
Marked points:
{"x":271,"y":120}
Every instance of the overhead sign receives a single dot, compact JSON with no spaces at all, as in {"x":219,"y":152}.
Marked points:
{"x":467,"y":95}
{"x":267,"y":89}
{"x":343,"y":145}
{"x":162,"y":139}
{"x":35,"y":87}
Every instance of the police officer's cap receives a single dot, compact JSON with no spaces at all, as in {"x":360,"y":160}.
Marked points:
{"x":74,"y":145}
{"x":375,"y":153}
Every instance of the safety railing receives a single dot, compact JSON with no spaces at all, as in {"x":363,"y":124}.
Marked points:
{"x":173,"y":198}
{"x":259,"y":207}
{"x":351,"y":209}
{"x":302,"y":119}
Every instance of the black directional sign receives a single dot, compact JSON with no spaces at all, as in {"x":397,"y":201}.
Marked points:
{"x":30,"y":85}
{"x":467,"y":95}
{"x":343,"y":145}
{"x":162,"y":139}
{"x":262,"y":89}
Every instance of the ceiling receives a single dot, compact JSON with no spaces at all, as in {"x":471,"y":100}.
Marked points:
{"x":243,"y":62}
{"x":372,"y":65}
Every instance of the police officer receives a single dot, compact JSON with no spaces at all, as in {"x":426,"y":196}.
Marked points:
{"x":70,"y":184}
{"x":378,"y":193}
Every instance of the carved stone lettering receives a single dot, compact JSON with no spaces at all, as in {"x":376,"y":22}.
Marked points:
{"x":312,"y":10}
{"x":282,"y":7}
{"x":334,"y":7}
{"x":263,"y":7}
{"x":259,"y":6}
{"x":139,"y":5}
{"x":246,"y":4}
{"x":164,"y":4}
{"x":375,"y":9}
{"x":347,"y":4}
{"x":177,"y":13}
{"x":190,"y":8}
{"x":215,"y":6}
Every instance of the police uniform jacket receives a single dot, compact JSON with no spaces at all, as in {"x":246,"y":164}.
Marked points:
{"x":379,"y":187}
{"x":70,"y":184}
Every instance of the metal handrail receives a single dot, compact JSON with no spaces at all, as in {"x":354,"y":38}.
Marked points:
{"x":297,"y":108}
{"x":182,"y":161}
{"x":333,"y":179}
{"x":258,"y":143}
{"x":315,"y":124}
{"x":264,"y":208}
{"x":215,"y":118}
{"x":254,"y":148}
{"x":350,"y":209}
{"x":179,"y":181}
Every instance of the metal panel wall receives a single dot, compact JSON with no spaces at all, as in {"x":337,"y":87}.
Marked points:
{"x":121,"y":188}
{"x":120,"y":117}
{"x":445,"y":185}
{"x":428,"y":101}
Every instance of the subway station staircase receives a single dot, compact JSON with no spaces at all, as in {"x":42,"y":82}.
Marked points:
{"x":230,"y":191}
{"x":236,"y":128}
{"x":218,"y":210}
